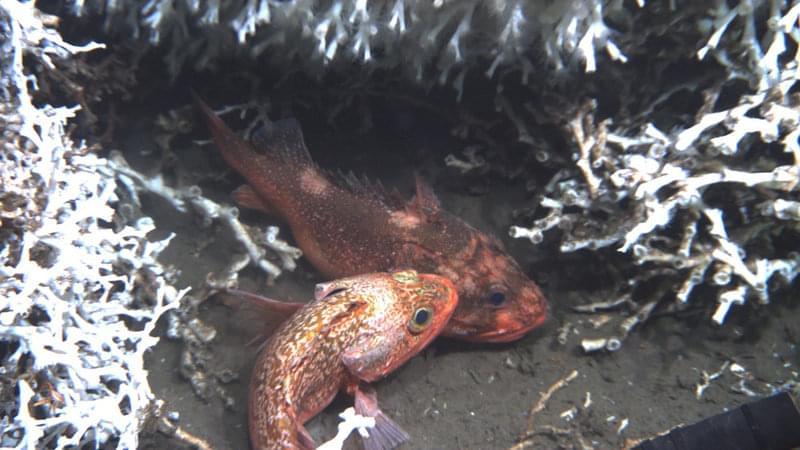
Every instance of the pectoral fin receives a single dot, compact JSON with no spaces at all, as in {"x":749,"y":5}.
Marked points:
{"x":386,"y":434}
{"x":304,"y":438}
{"x":246,"y":197}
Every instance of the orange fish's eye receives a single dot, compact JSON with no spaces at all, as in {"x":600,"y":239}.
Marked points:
{"x":420,"y":319}
{"x":406,"y":276}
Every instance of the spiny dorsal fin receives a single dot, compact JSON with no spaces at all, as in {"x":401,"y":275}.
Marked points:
{"x":367,"y":189}
{"x":284,"y":139}
{"x":425,"y":200}
{"x":396,"y":198}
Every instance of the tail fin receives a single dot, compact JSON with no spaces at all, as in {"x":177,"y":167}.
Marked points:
{"x":270,"y":162}
{"x":284,"y":139}
{"x":237,"y":152}
{"x":281,"y":139}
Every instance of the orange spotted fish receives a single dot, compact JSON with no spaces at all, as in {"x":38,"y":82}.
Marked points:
{"x":346,"y":226}
{"x":357,"y":331}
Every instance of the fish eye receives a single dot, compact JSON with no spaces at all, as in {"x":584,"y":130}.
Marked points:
{"x":420,"y":319}
{"x":497,"y":298}
{"x":333,"y":292}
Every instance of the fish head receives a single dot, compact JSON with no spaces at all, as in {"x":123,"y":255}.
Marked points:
{"x":497,"y":301}
{"x":425,"y":304}
{"x":404,"y":319}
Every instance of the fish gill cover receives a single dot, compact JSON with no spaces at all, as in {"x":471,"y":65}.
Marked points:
{"x":666,"y":131}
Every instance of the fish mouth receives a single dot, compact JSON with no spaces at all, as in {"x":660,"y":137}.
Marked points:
{"x":502,"y":336}
{"x":494,"y":336}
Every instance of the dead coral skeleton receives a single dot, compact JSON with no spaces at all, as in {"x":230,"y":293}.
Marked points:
{"x":321,"y":34}
{"x":253,"y":242}
{"x":261,"y":248}
{"x":78,"y":298}
{"x":660,"y":190}
{"x":573,"y":434}
{"x":350,"y":422}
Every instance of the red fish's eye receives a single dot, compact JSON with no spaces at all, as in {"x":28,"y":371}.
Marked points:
{"x":497,"y":298}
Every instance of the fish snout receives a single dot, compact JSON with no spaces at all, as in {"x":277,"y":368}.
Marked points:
{"x":531,"y":312}
{"x":534,"y":305}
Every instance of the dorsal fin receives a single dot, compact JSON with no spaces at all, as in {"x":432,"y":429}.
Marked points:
{"x":365,"y":188}
{"x":284,"y":139}
{"x":425,"y":200}
{"x":395,"y":197}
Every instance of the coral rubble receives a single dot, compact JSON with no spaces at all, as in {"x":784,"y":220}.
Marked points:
{"x":433,"y":41}
{"x":79,"y":299}
{"x":705,"y":202}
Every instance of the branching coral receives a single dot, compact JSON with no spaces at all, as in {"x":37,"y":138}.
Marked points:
{"x":262,"y":248}
{"x":252,"y":242}
{"x":78,"y":298}
{"x":430,"y":40}
{"x":701,"y":201}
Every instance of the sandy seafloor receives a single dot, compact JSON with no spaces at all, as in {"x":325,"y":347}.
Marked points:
{"x":458,"y":395}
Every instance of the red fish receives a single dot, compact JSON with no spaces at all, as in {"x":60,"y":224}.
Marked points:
{"x":360,"y":329}
{"x":346,"y":226}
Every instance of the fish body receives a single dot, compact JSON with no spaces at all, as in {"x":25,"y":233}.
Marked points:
{"x":358,"y":330}
{"x":347,"y":226}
